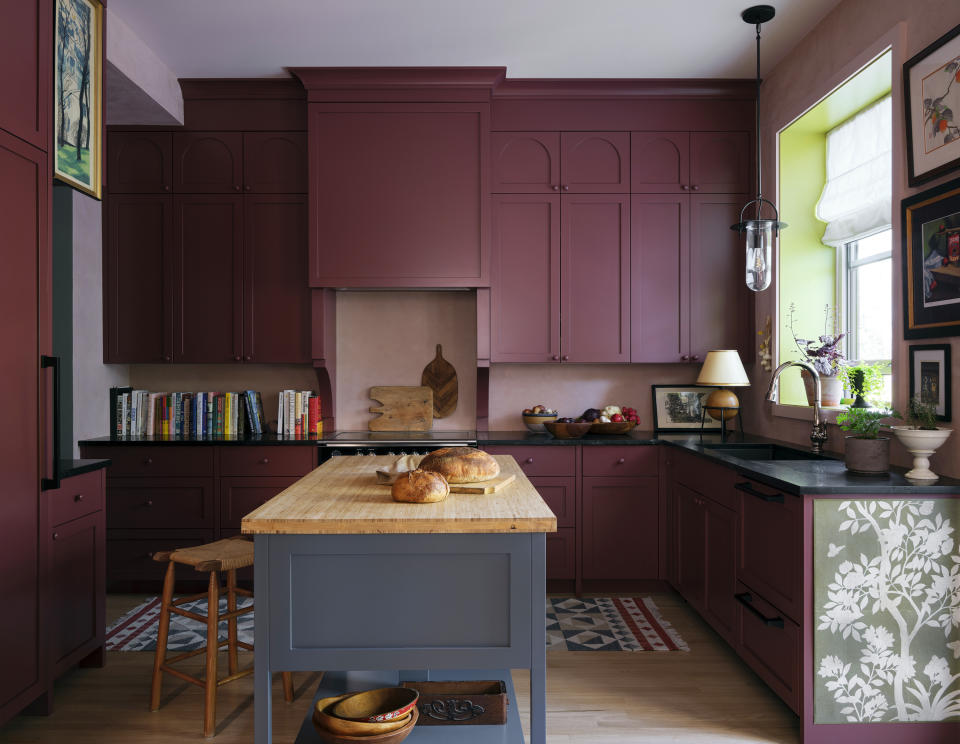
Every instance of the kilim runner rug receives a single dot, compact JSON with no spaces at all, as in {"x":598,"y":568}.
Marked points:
{"x":584,"y":624}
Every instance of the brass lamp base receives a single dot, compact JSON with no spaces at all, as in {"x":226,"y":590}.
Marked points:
{"x":722,"y":405}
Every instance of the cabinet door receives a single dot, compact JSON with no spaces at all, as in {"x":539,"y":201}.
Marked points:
{"x":620,"y":528}
{"x":525,"y":162}
{"x":399,"y":195}
{"x":26,"y":87}
{"x":561,"y":552}
{"x":276,"y":297}
{"x":525,"y":294}
{"x":76,"y":587}
{"x":24,"y":194}
{"x":137,"y":300}
{"x":691,"y":544}
{"x":207,"y":162}
{"x":139,"y":162}
{"x":147,"y":503}
{"x":595,"y":278}
{"x":561,"y":496}
{"x":720,"y":163}
{"x":659,"y":162}
{"x":275,"y":162}
{"x":659,"y":278}
{"x":718,"y":294}
{"x":240,"y":496}
{"x":720,"y":606}
{"x":595,"y":162}
{"x":208,"y":291}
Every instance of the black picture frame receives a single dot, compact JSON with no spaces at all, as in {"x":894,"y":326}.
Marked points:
{"x":927,"y":89}
{"x":931,"y":286}
{"x":924,"y":384}
{"x":691,"y":421}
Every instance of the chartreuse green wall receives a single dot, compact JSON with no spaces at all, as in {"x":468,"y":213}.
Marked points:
{"x":808,"y":268}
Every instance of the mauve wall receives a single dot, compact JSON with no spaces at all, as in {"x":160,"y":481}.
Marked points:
{"x":842,"y":42}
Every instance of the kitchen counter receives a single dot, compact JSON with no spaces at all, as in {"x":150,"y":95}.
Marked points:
{"x":70,"y":468}
{"x":263,"y":439}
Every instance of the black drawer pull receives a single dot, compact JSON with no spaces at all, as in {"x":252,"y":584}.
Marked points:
{"x":746,"y":599}
{"x":747,"y":488}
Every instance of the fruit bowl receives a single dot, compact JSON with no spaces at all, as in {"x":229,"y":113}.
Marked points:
{"x":567,"y":430}
{"x":535,"y":421}
{"x":614,"y":427}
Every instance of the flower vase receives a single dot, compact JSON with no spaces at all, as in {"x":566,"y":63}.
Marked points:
{"x":831,"y":389}
{"x":921,"y":443}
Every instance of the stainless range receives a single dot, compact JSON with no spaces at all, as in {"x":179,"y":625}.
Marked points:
{"x":347,"y":443}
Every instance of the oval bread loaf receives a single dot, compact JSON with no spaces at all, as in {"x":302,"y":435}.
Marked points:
{"x":461,"y":464}
{"x":420,"y":487}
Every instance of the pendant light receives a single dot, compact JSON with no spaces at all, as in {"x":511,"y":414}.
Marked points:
{"x":760,"y":232}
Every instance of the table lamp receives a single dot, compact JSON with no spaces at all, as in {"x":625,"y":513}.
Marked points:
{"x":724,"y":369}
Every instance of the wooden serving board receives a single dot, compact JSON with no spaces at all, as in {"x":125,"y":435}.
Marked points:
{"x":402,"y":408}
{"x":441,"y":377}
{"x":491,"y":486}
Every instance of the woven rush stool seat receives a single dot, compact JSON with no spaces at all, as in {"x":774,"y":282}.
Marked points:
{"x":223,"y":555}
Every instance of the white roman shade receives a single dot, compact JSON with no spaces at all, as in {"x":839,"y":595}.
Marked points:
{"x":856,"y":199}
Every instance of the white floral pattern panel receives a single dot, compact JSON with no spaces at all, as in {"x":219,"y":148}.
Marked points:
{"x":887,"y":610}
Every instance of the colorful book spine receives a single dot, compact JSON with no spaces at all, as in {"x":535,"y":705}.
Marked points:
{"x":313,"y":415}
{"x":297,"y":420}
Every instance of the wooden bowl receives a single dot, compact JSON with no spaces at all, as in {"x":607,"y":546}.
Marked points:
{"x":390,"y":737}
{"x":322,"y":719}
{"x":568,"y":431}
{"x":376,"y":706}
{"x":535,"y":421}
{"x":614,"y":427}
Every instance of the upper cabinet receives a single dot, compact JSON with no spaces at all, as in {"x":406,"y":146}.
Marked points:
{"x":681,"y":162}
{"x":555,"y":162}
{"x":207,"y":162}
{"x":139,"y":162}
{"x":275,"y":162}
{"x":26,"y":56}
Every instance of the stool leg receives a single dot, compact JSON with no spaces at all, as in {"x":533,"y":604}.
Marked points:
{"x":210,"y":681}
{"x":287,"y":686}
{"x":232,"y":622}
{"x":161,"y":653}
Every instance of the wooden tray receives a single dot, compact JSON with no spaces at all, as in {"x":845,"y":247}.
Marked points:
{"x":491,"y":486}
{"x":461,"y":703}
{"x":613,"y":427}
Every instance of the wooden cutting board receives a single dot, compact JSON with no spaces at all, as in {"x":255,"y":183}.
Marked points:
{"x":441,"y":377}
{"x":491,"y":486}
{"x":402,"y":408}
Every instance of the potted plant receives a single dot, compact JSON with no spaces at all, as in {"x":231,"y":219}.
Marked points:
{"x":862,"y":381}
{"x":824,"y":355}
{"x":921,"y":437}
{"x":865,"y":452}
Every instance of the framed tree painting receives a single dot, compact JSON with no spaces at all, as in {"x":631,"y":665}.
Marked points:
{"x":77,"y":94}
{"x":931,"y":262}
{"x":679,"y":408}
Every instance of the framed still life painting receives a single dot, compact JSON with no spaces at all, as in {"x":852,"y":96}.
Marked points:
{"x":679,"y":408}
{"x":77,"y":94}
{"x":931,"y":262}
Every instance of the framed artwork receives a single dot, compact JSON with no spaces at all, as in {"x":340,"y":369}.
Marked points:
{"x":931,"y":87}
{"x":77,"y":94}
{"x":931,"y":262}
{"x":679,"y":407}
{"x":930,"y":376}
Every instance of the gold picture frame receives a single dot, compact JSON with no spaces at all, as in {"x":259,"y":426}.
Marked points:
{"x":78,"y":95}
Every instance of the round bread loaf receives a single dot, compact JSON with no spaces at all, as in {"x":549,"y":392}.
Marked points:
{"x":420,"y":487}
{"x":461,"y":464}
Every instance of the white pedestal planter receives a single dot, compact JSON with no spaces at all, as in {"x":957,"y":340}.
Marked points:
{"x":921,"y":443}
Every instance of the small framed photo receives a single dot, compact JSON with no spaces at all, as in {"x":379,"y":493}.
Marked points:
{"x":680,"y":407}
{"x":932,"y":109}
{"x":930,"y":376}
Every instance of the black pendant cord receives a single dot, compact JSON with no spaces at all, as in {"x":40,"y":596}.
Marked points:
{"x":757,"y":133}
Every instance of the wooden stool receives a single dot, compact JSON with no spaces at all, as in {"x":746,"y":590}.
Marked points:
{"x":222,"y":555}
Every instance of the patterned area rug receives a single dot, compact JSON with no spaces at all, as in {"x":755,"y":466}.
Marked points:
{"x":585,"y":624}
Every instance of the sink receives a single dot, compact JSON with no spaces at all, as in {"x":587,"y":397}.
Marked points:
{"x":763,"y":452}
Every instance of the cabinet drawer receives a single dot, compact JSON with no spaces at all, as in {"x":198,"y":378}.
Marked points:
{"x":243,"y":460}
{"x":562,"y":553}
{"x":560,"y":495}
{"x":706,"y":478}
{"x":240,"y":496}
{"x":76,"y":497}
{"x":160,"y":502}
{"x":130,"y":554}
{"x":769,"y":642}
{"x":161,"y":460}
{"x":771,"y":549}
{"x":541,"y":459}
{"x":628,"y":460}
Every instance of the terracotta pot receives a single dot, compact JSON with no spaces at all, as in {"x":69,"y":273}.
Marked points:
{"x":831,"y":389}
{"x":921,"y":443}
{"x":867,"y":456}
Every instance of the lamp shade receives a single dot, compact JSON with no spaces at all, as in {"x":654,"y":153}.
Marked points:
{"x":723,"y":367}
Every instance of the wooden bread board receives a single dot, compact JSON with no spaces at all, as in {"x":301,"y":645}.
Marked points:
{"x":440,"y":376}
{"x":402,"y":408}
{"x":491,"y":486}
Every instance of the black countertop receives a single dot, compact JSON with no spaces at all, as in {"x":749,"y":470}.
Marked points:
{"x":70,"y":468}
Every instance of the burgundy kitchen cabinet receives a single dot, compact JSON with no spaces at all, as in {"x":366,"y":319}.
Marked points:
{"x":691,"y":545}
{"x":399,"y":195}
{"x":137,"y":301}
{"x":240,"y":496}
{"x":26,"y":87}
{"x":720,"y":605}
{"x":207,"y":162}
{"x":275,"y":162}
{"x":620,"y":528}
{"x":561,"y":162}
{"x":681,"y":162}
{"x":139,"y":162}
{"x":525,"y":162}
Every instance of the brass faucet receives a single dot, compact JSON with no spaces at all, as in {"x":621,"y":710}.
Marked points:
{"x":818,"y":435}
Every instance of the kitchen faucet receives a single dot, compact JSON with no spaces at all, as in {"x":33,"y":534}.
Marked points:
{"x":818,"y":435}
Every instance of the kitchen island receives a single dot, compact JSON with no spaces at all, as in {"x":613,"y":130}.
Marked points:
{"x":349,"y":580}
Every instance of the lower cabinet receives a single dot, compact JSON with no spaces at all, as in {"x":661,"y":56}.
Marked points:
{"x":620,"y":528}
{"x":560,"y":493}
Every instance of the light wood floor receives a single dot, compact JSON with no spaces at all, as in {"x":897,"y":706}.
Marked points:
{"x":705,"y":695}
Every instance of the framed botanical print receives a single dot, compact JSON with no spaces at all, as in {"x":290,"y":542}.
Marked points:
{"x":77,"y":94}
{"x":680,"y":408}
{"x":931,"y":262}
{"x":930,"y":376}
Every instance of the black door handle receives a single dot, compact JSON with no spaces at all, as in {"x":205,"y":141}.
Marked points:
{"x":747,"y":488}
{"x":47,"y":484}
{"x":746,"y":599}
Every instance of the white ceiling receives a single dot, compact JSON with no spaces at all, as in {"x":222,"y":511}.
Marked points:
{"x":532,"y":38}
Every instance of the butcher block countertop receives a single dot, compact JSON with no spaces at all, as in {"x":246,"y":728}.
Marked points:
{"x":342,"y":497}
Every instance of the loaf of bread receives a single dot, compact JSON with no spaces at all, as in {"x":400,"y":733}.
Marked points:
{"x":461,"y":464}
{"x":420,"y":487}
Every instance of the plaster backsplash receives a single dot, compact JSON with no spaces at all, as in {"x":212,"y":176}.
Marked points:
{"x":387,"y":338}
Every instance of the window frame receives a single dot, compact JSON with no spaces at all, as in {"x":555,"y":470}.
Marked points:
{"x":847,"y":266}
